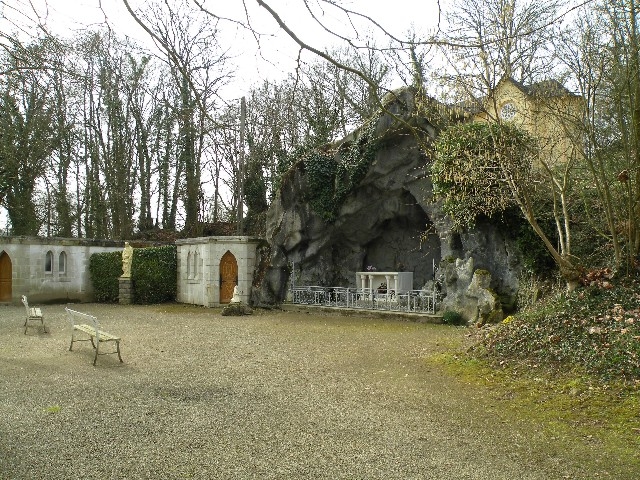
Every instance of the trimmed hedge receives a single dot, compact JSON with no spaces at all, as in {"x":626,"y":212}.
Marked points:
{"x":104,"y":270}
{"x":154,"y":273}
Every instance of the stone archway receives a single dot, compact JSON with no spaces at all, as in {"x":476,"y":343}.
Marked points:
{"x":5,"y":278}
{"x":228,"y":276}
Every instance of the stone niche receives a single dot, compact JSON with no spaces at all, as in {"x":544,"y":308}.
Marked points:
{"x":399,"y":243}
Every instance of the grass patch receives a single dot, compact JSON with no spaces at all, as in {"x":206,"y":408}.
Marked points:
{"x":570,"y":364}
{"x":52,"y":409}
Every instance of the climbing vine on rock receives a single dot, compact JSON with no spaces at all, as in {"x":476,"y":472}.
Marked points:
{"x":355,"y":161}
{"x":331,"y":178}
{"x":477,"y":166}
{"x":321,"y":169}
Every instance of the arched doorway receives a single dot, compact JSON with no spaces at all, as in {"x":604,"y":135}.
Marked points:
{"x":228,"y":276}
{"x":5,"y":277}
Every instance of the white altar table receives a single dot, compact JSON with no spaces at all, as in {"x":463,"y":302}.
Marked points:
{"x":399,"y":282}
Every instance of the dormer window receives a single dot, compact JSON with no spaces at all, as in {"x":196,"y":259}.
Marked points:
{"x":508,"y":111}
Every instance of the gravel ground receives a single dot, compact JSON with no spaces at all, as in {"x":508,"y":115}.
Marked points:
{"x":275,"y":395}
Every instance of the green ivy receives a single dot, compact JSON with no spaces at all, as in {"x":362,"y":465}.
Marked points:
{"x":320,"y":169}
{"x":355,"y":162}
{"x":330,"y":181}
{"x":595,"y":329}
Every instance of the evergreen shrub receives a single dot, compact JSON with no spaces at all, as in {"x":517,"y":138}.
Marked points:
{"x":476,"y":166}
{"x":154,"y":273}
{"x":452,"y":318}
{"x":104,"y":270}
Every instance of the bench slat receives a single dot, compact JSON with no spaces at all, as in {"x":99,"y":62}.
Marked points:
{"x":89,"y":330}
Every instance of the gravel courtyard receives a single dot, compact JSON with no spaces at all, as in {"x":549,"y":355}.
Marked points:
{"x":276,"y":395}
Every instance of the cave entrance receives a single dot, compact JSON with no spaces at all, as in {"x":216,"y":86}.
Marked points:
{"x":406,"y":243}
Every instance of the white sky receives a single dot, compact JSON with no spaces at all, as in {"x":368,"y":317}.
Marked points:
{"x":278,"y":52}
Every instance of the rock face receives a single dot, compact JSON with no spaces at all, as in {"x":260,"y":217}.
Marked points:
{"x":488,"y":307}
{"x":389,"y":219}
{"x":468,"y":291}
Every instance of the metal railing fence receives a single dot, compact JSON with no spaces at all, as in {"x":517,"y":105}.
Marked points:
{"x":412,"y":301}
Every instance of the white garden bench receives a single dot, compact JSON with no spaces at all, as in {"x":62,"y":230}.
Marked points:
{"x":34,"y":314}
{"x":89,"y":325}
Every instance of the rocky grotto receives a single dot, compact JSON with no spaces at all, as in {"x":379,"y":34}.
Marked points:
{"x":384,"y":215}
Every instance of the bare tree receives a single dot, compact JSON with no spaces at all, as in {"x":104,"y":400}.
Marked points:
{"x":602,"y":54}
{"x":490,"y":40}
{"x":197,"y":65}
{"x":64,"y":157}
{"x":138,"y":99}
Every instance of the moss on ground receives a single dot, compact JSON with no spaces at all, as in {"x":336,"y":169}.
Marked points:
{"x":569,"y":365}
{"x":571,"y":407}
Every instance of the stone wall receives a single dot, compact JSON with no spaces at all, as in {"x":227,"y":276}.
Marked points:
{"x":52,"y":269}
{"x":57,"y":269}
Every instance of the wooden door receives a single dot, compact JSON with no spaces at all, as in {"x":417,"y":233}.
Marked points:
{"x":228,"y":276}
{"x":5,"y":277}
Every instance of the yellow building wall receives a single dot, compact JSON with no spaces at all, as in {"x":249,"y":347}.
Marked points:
{"x":553,"y":120}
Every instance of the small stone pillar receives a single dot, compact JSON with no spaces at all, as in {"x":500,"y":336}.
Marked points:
{"x":125,"y":296}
